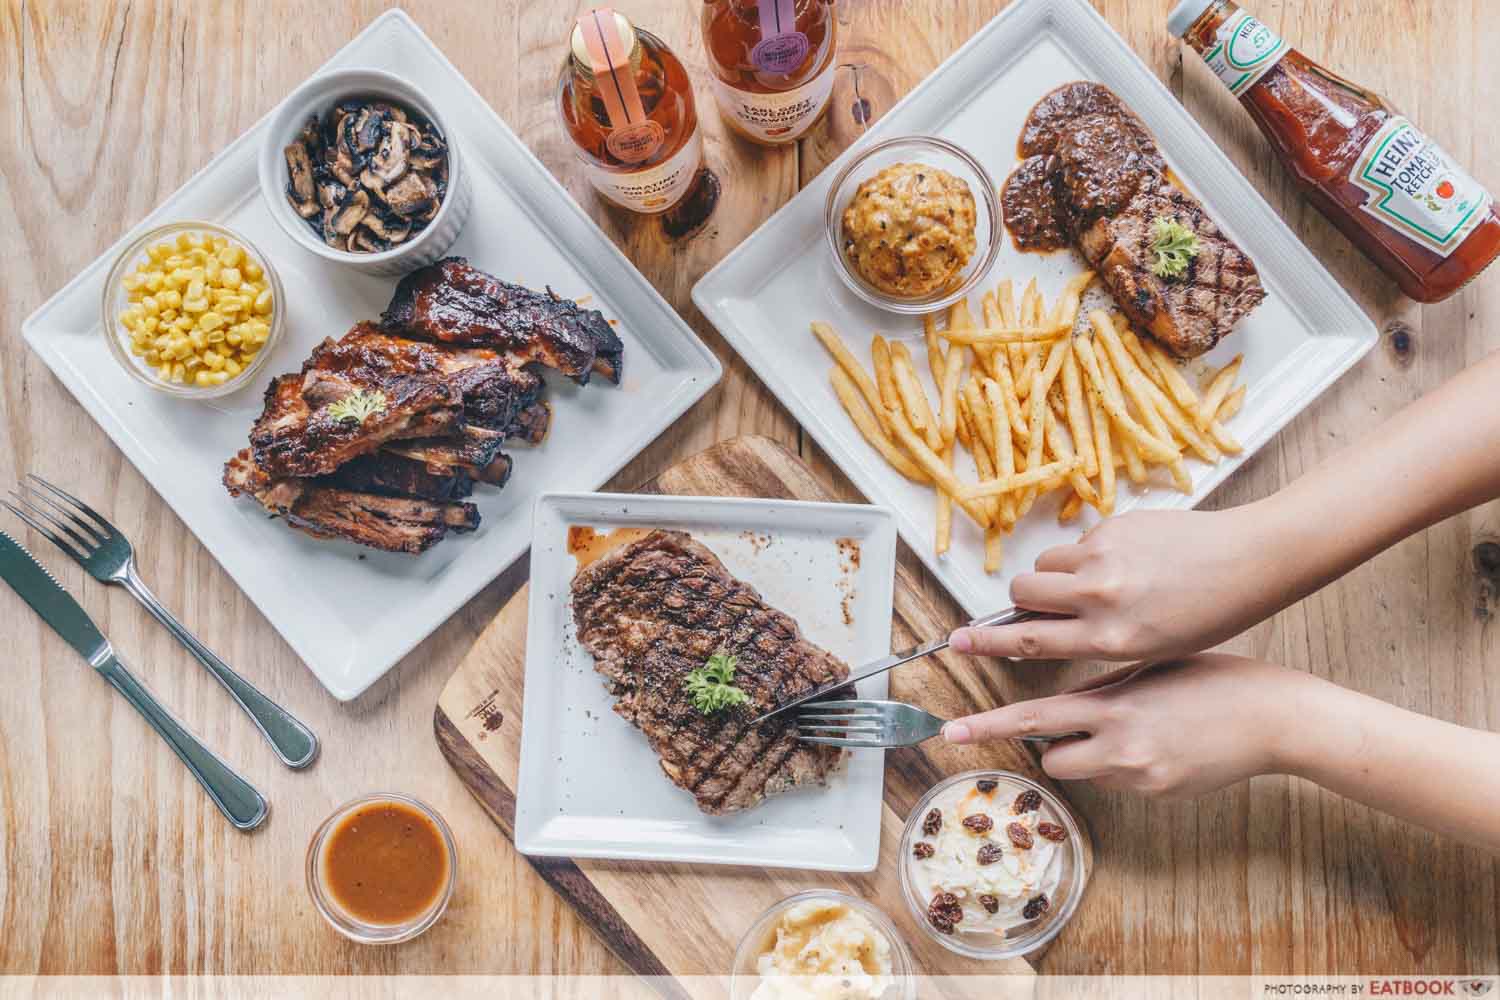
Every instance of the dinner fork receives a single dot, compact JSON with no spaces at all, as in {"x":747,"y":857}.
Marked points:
{"x":872,"y":725}
{"x":99,"y":548}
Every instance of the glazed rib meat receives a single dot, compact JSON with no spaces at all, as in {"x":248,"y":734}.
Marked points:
{"x":657,"y":608}
{"x":454,"y":303}
{"x":1093,"y":176}
{"x":390,"y":523}
{"x":385,"y":430}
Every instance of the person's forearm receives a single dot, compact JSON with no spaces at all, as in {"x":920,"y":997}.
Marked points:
{"x":1435,"y":458}
{"x":1434,"y":774}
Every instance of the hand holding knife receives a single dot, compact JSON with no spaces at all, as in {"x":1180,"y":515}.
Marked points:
{"x":236,"y":798}
{"x":1010,"y":616}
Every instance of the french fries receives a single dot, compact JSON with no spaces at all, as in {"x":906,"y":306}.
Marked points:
{"x":1034,"y":402}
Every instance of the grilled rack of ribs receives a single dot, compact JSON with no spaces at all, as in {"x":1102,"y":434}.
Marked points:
{"x":657,"y":608}
{"x":441,"y":385}
{"x":1093,"y":175}
{"x":452,"y":302}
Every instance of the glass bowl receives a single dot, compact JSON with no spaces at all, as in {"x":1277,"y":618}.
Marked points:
{"x":988,"y":232}
{"x":1073,"y":873}
{"x":746,"y":977}
{"x":352,"y":927}
{"x":115,"y":299}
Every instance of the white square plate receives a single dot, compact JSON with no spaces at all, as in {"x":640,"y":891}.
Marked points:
{"x":590,"y":785}
{"x":352,"y":613}
{"x":763,"y":295}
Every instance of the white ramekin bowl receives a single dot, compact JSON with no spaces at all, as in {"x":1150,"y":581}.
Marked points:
{"x":315,"y":97}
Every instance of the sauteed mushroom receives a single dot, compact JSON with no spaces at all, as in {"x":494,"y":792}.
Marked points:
{"x":367,"y":175}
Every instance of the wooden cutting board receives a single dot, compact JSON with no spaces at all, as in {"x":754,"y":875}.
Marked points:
{"x":686,"y":920}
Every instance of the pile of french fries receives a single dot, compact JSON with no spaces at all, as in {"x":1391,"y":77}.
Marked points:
{"x":1039,"y":405}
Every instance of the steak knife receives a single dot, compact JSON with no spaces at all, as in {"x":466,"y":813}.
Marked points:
{"x":1010,"y":616}
{"x":236,"y":798}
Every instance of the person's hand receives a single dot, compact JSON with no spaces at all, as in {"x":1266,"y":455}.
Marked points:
{"x":1145,"y":585}
{"x":1175,"y":729}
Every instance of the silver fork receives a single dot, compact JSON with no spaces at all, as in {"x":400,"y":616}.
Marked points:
{"x":872,"y":725}
{"x":99,"y":548}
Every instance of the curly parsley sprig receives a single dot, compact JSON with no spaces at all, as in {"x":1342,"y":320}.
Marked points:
{"x":1175,"y":246}
{"x":355,"y":407}
{"x":711,"y":686}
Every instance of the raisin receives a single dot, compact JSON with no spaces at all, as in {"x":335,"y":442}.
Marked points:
{"x":986,"y":785}
{"x":944,"y":911}
{"x":990,"y":903}
{"x":1028,"y":801}
{"x":1019,"y":835}
{"x":922,"y":849}
{"x":990,"y":853}
{"x":932,"y":823}
{"x":1036,"y":906}
{"x":1051,"y":831}
{"x":978,"y":823}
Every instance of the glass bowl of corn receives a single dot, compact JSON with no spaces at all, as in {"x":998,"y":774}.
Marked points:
{"x":193,"y":309}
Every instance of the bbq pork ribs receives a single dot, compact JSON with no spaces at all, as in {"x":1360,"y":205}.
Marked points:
{"x":384,"y":431}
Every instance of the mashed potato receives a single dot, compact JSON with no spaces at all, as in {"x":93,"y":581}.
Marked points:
{"x":823,"y":949}
{"x":909,"y":230}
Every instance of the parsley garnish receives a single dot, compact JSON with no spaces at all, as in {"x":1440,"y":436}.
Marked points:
{"x":355,"y":407}
{"x":711,"y":686}
{"x":1175,"y":246}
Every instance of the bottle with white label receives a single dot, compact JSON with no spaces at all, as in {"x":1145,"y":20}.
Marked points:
{"x":627,"y":104}
{"x":1391,"y":189}
{"x":772,"y":63}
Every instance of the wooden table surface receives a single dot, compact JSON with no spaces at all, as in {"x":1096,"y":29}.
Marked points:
{"x":113,"y":860}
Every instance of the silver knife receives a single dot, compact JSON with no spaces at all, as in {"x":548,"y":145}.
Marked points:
{"x":1010,"y":616}
{"x":236,"y":798}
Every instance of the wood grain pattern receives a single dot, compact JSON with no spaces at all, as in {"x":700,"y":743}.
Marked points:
{"x":638,"y":910}
{"x":114,"y":862}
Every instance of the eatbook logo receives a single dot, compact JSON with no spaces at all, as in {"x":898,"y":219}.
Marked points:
{"x":1476,"y":987}
{"x":488,"y":714}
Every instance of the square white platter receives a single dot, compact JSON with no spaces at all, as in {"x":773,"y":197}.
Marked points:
{"x":763,"y":295}
{"x":591,"y":787}
{"x":352,"y":613}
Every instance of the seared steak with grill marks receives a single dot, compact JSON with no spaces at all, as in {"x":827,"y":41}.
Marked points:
{"x":451,"y":302}
{"x":1093,"y":175}
{"x":655,"y":610}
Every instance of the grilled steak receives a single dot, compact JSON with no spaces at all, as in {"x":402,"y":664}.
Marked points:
{"x":1093,"y":176}
{"x":451,"y":302}
{"x":655,"y":610}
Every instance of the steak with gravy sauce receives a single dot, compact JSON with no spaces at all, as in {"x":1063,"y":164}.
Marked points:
{"x":1093,"y":177}
{"x":657,"y":608}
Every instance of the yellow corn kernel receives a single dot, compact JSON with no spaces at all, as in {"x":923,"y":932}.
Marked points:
{"x":179,"y":371}
{"x":132,"y":282}
{"x":213,"y":359}
{"x":232,"y":367}
{"x":212,"y":272}
{"x":252,"y":270}
{"x":229,"y":277}
{"x":197,"y":338}
{"x":201,"y":379}
{"x":183,"y":323}
{"x":210,"y":321}
{"x":154,"y":281}
{"x":192,"y":363}
{"x":233,"y":337}
{"x":194,"y":305}
{"x":170,"y":298}
{"x":137,"y":348}
{"x":184,"y":241}
{"x":263,"y":303}
{"x":149,"y":306}
{"x":151,"y":324}
{"x":230,"y":256}
{"x":152,"y":357}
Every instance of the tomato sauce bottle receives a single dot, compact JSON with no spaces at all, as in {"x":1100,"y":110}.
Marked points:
{"x":627,"y":104}
{"x":1386,"y":186}
{"x":772,"y":63}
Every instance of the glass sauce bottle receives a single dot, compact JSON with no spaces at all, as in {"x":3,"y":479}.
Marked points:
{"x":772,"y":63}
{"x":627,"y":104}
{"x":1387,"y":187}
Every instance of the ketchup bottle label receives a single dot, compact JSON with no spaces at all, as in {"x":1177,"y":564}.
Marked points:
{"x":1416,"y":188}
{"x":1245,"y":49}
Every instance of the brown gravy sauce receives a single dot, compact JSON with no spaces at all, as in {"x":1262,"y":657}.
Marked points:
{"x":588,"y":545}
{"x":385,"y":863}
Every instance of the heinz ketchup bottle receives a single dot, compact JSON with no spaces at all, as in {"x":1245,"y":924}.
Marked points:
{"x":1388,"y":187}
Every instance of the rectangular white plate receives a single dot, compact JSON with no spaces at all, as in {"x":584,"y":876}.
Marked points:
{"x":352,"y":613}
{"x":763,"y":295}
{"x":590,"y":785}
